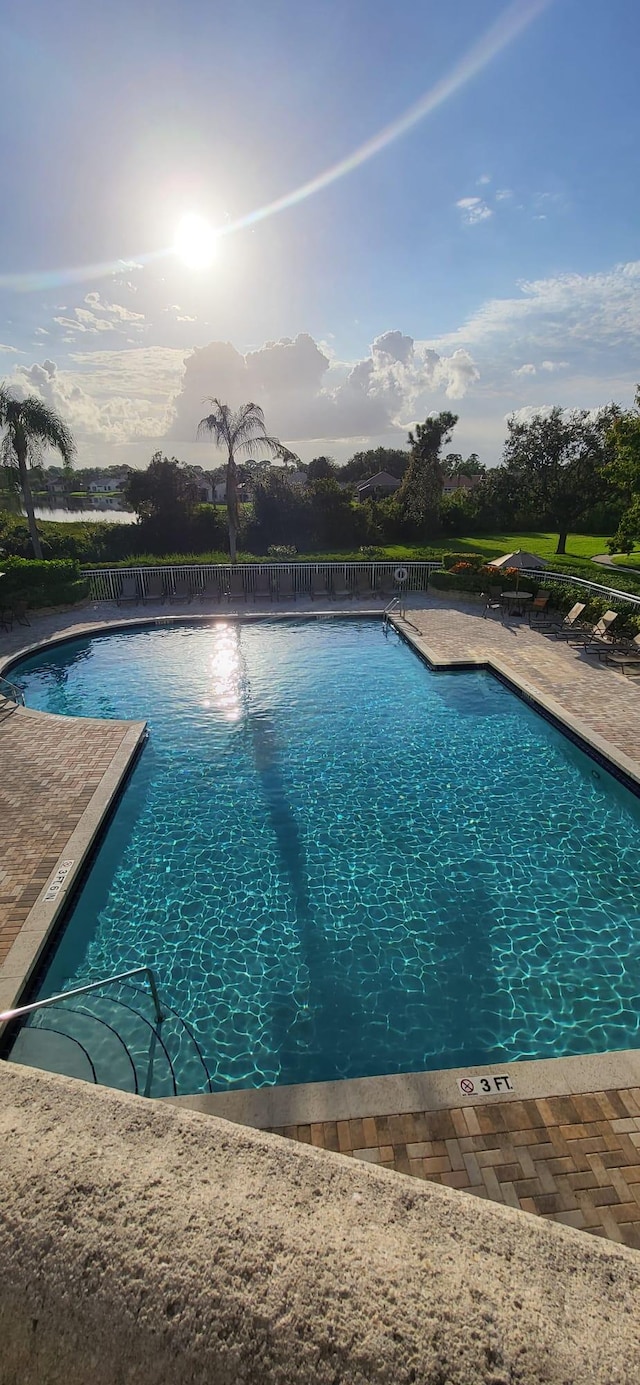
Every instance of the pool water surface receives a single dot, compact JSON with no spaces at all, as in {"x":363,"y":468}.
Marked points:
{"x":341,"y":864}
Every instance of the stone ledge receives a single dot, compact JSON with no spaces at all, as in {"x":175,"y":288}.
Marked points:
{"x":145,"y":1243}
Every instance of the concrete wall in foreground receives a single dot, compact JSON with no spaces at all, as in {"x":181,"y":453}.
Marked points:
{"x":141,"y":1243}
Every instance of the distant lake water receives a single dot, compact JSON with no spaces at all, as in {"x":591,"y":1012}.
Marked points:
{"x":102,"y":516}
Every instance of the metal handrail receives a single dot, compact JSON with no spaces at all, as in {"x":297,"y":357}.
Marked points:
{"x":82,"y":990}
{"x":395,"y":602}
{"x":12,"y":692}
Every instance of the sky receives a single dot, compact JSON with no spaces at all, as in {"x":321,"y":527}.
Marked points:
{"x":406,"y":208}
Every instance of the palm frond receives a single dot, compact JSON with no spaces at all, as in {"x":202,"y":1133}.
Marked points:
{"x":44,"y":428}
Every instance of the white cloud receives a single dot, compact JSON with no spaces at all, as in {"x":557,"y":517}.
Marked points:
{"x":580,"y":311}
{"x":13,"y":350}
{"x":474,"y":210}
{"x":503,"y":194}
{"x":552,"y":366}
{"x":116,"y":396}
{"x":527,"y":369}
{"x":41,"y":332}
{"x":305,"y":394}
{"x":115,"y":310}
{"x":185,"y":318}
{"x":483,"y":180}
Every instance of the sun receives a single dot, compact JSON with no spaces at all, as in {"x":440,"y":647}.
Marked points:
{"x":195,"y":242}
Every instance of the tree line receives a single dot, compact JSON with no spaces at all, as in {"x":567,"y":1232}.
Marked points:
{"x":560,"y":469}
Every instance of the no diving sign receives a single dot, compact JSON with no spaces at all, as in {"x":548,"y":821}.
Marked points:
{"x":493,"y":1084}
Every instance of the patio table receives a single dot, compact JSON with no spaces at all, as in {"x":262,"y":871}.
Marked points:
{"x":515,"y":601}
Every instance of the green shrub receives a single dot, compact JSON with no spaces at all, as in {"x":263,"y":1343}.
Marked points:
{"x":476,"y":560}
{"x":56,"y":583}
{"x":282,"y":552}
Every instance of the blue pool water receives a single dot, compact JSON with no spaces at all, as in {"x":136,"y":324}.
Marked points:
{"x":341,"y":864}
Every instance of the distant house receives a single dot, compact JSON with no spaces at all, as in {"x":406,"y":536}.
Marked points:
{"x":106,"y":485}
{"x":460,"y":482}
{"x":57,"y":487}
{"x":206,"y":489}
{"x":383,"y":483}
{"x":297,"y":479}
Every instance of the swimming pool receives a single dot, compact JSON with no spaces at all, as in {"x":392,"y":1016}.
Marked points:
{"x":341,"y":864}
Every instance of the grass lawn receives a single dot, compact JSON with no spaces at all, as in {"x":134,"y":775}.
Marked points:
{"x":579,"y":546}
{"x":628,"y":559}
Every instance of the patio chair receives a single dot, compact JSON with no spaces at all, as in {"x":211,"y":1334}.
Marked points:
{"x":181,"y":589}
{"x":129,"y":590}
{"x":285,"y":590}
{"x":236,"y":586}
{"x":6,"y":618}
{"x":18,"y":611}
{"x":154,"y":589}
{"x":340,"y":588}
{"x":598,"y":635}
{"x":569,"y":625}
{"x":388,"y":586}
{"x":211,"y":589}
{"x":492,"y":601}
{"x":262,"y":587}
{"x":319,"y":587}
{"x":538,"y":610}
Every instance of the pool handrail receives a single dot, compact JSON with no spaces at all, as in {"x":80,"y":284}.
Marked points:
{"x":8,"y":1015}
{"x":11,"y":692}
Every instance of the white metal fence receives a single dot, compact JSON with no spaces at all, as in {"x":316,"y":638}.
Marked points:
{"x":568,"y":580}
{"x":215,"y":580}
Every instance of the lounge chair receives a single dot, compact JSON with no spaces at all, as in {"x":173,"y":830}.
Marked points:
{"x":341,"y":591}
{"x":211,"y":589}
{"x":318,"y":586}
{"x":388,"y":586}
{"x":364,"y":588}
{"x":236,"y":586}
{"x":598,"y":635}
{"x":285,"y":589}
{"x":154,"y":588}
{"x":181,"y":589}
{"x":569,"y":626}
{"x":625,"y":654}
{"x":262,"y":587}
{"x":129,"y":590}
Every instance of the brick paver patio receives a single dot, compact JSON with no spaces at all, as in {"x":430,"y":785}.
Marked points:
{"x":51,"y":768}
{"x":570,"y":1159}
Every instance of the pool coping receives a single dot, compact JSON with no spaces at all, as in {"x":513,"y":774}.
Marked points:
{"x":424,"y":1090}
{"x":309,"y":1103}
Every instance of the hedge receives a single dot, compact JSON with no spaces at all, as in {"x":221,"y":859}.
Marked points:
{"x":55,"y":583}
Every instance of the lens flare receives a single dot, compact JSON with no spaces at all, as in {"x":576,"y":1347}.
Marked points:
{"x":509,"y":25}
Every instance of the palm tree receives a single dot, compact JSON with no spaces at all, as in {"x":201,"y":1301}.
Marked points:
{"x":30,"y":426}
{"x":239,"y":431}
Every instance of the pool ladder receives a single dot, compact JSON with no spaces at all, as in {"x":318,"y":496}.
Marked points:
{"x":395,"y":606}
{"x":136,"y":1055}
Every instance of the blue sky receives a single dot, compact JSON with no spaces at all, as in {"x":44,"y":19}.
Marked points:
{"x":486,"y":260}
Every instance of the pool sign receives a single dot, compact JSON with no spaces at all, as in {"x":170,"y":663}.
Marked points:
{"x":58,"y":880}
{"x":485,"y":1086}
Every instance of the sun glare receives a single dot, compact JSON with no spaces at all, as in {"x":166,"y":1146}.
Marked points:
{"x":195,"y":242}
